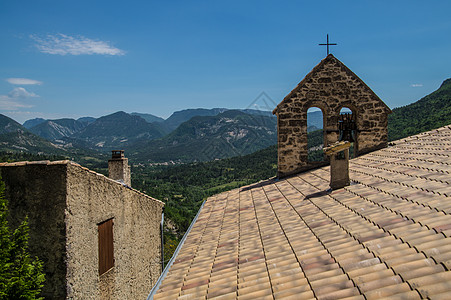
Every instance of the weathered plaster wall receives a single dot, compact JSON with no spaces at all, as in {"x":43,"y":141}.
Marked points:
{"x":64,"y":203}
{"x":330,"y":86}
{"x":39,"y":192}
{"x":91,"y":199}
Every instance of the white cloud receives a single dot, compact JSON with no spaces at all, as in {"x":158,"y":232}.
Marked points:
{"x":416,"y":85}
{"x":23,"y":81}
{"x":21,"y":93}
{"x":14,"y":99}
{"x":62,"y":44}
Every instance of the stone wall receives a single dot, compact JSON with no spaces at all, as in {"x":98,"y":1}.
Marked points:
{"x":39,"y":192}
{"x":330,"y":86}
{"x":91,"y":199}
{"x":64,"y":203}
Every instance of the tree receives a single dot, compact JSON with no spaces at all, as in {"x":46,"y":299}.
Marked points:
{"x":21,"y":277}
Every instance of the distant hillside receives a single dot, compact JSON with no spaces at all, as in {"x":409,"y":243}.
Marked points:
{"x":115,"y":131}
{"x":430,"y":112}
{"x":86,"y":120}
{"x":148,"y":117}
{"x":8,"y":125}
{"x":204,"y":134}
{"x":257,"y":112}
{"x":312,"y":128}
{"x":314,"y":120}
{"x":57,"y":129}
{"x":33,"y":122}
{"x":18,"y":143}
{"x":182,"y":116}
{"x":16,"y":138}
{"x":26,"y":156}
{"x":205,"y":138}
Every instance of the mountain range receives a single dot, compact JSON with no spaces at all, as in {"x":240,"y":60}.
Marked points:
{"x":16,"y":138}
{"x":56,"y":129}
{"x":199,"y":134}
{"x":192,"y":134}
{"x":121,"y":129}
{"x":179,"y":137}
{"x":203,"y":138}
{"x":116,"y":131}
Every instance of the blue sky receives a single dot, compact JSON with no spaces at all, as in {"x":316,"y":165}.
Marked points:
{"x":91,"y":58}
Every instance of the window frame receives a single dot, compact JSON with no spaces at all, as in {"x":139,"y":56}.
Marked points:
{"x":105,"y":245}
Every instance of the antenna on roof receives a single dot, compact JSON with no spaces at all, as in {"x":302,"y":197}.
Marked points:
{"x":328,"y":44}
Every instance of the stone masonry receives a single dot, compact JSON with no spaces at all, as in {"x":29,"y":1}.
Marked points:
{"x":330,"y":86}
{"x":118,"y":168}
{"x":65,"y":203}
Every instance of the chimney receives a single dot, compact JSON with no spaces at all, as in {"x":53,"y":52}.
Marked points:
{"x":339,"y":164}
{"x":118,"y":168}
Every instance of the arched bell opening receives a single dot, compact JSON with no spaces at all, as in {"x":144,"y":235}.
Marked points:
{"x":347,"y":129}
{"x":315,"y":134}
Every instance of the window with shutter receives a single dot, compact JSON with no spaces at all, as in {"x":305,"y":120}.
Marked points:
{"x":106,"y":250}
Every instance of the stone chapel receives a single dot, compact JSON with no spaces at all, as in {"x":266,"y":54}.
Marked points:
{"x":330,"y":86}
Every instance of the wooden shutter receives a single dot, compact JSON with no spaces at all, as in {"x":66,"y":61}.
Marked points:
{"x":106,"y":250}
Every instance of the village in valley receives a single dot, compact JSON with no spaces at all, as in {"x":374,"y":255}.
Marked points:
{"x":325,"y":191}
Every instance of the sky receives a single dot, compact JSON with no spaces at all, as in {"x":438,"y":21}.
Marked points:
{"x":70,"y":59}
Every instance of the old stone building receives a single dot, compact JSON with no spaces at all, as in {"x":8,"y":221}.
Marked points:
{"x":98,"y":237}
{"x":330,"y":86}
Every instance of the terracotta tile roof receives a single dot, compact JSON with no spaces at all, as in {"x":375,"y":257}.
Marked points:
{"x":385,"y":235}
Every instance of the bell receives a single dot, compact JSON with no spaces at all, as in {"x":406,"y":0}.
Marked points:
{"x":346,"y":135}
{"x":346,"y":126}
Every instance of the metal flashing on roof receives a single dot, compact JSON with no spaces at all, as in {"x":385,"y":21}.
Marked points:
{"x":171,"y":261}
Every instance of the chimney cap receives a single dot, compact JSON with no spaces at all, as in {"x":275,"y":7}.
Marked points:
{"x":117,"y":154}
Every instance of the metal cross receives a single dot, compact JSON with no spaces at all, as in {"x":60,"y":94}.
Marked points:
{"x":328,"y":44}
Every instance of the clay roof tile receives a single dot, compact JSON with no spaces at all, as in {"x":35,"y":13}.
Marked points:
{"x":386,"y":235}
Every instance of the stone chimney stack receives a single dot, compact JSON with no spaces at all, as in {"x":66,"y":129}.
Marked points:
{"x":118,"y":168}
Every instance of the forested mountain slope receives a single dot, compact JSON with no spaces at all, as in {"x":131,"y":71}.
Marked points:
{"x":116,"y":131}
{"x":16,"y":138}
{"x":228,"y":134}
{"x":430,"y":112}
{"x":56,"y":129}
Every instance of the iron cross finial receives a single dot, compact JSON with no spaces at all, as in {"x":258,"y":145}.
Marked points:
{"x":328,"y":44}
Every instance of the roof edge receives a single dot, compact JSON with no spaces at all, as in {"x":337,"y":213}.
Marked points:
{"x":174,"y":256}
{"x":115,"y":181}
{"x":67,"y":162}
